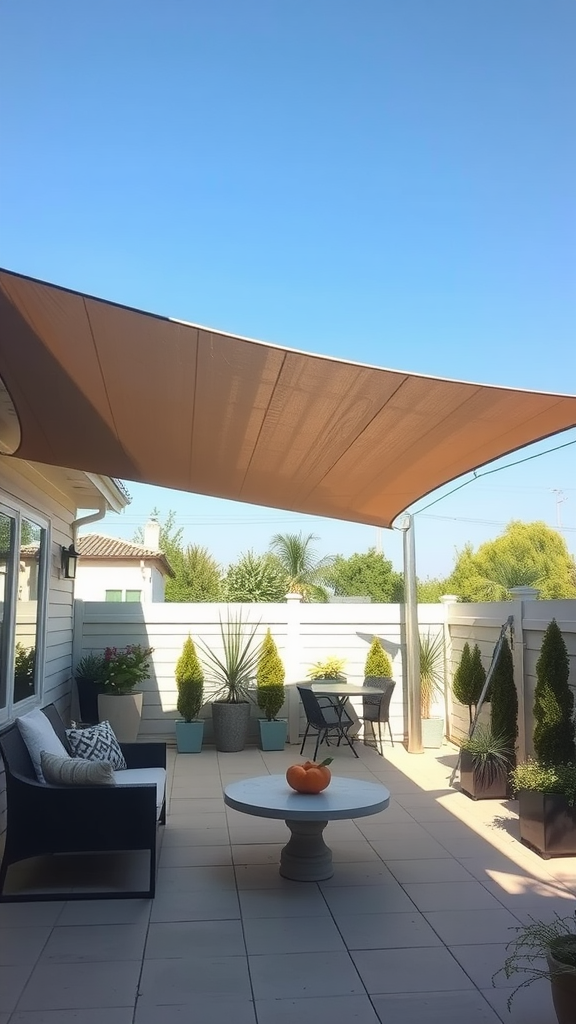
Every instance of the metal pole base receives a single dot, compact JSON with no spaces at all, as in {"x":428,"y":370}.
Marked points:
{"x":306,"y":858}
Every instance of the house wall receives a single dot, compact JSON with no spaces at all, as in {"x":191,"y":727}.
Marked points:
{"x":94,"y":578}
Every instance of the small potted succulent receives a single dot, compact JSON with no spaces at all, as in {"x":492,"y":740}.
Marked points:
{"x":546,"y":950}
{"x":124,"y":669}
{"x":89,"y":676}
{"x":270,"y":695}
{"x":190,"y":686}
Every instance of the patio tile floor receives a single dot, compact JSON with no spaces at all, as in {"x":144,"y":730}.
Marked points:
{"x":411,"y":927}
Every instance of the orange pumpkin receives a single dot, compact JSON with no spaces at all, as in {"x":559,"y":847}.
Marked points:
{"x":309,"y":777}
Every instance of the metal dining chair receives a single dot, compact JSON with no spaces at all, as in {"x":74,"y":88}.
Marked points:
{"x":376,"y":707}
{"x":326,"y":718}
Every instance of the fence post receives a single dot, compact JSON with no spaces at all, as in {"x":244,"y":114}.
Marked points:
{"x":293,"y":671}
{"x":520,"y":595}
{"x":446,"y":600}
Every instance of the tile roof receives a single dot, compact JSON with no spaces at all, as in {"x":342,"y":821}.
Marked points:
{"x":95,"y":545}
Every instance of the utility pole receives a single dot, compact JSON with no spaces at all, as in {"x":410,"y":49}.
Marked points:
{"x":560,"y":499}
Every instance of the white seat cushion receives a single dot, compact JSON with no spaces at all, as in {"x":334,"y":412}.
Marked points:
{"x":38,"y":735}
{"x":143,"y":777}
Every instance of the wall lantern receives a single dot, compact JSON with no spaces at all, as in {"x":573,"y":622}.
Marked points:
{"x":69,"y":562}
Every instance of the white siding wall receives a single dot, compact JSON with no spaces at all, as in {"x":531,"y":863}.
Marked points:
{"x":94,"y":579}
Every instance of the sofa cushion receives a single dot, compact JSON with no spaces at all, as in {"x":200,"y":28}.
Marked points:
{"x":143,"y":776}
{"x":38,"y":735}
{"x":97,"y":743}
{"x":75,"y":771}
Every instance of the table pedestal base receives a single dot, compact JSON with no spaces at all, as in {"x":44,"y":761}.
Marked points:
{"x":306,"y":858}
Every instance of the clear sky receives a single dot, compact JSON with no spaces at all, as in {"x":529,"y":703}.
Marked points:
{"x":391,"y":182}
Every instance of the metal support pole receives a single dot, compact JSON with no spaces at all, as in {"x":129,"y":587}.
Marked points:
{"x":412,"y":640}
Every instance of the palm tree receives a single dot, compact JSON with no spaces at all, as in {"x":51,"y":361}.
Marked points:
{"x":305,"y":572}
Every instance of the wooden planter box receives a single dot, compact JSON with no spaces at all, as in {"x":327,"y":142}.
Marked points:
{"x":471,"y":783}
{"x":547,"y":824}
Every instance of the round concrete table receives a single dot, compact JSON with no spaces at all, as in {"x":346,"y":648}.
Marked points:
{"x":306,"y":858}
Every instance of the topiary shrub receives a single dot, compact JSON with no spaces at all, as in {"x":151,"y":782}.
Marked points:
{"x":189,"y":681}
{"x":553,"y":701}
{"x":469,"y":678}
{"x":504,"y":699}
{"x":377,"y":661}
{"x":270,"y":692}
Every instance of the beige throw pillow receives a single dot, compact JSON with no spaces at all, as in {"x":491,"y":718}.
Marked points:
{"x":75,"y":771}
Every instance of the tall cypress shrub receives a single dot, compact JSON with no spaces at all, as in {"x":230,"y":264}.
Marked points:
{"x":553,"y":701}
{"x":504,"y":699}
{"x":469,"y":678}
{"x":378,"y":661}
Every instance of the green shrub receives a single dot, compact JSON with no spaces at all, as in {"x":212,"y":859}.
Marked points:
{"x":330,"y":668}
{"x":469,"y":678}
{"x":541,"y":778}
{"x":189,"y":681}
{"x":377,"y":661}
{"x":270,"y":674}
{"x":553,"y":701}
{"x":504,"y":699}
{"x":431,"y":671}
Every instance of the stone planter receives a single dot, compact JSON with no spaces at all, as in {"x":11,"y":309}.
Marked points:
{"x":123,"y":711}
{"x":189,"y":736}
{"x":273,"y":734}
{"x":231,"y":722}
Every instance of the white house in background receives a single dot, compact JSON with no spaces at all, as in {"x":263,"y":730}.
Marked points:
{"x":119,"y":570}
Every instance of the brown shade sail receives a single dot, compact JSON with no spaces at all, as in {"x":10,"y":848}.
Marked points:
{"x":117,"y":391}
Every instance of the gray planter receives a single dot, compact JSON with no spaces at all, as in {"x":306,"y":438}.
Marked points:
{"x":432,"y":732}
{"x":231,"y":722}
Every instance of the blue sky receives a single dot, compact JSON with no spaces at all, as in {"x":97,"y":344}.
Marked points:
{"x":388,"y":182}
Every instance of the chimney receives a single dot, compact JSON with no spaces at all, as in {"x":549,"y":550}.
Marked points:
{"x":152,"y":535}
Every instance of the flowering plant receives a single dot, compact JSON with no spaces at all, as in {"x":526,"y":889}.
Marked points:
{"x":125,"y":668}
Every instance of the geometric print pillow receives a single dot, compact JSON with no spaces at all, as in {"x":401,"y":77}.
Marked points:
{"x":98,"y":743}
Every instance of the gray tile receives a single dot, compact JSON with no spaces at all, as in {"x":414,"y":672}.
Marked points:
{"x":195,"y":856}
{"x":532,"y":1005}
{"x":195,"y":879}
{"x":257,"y":853}
{"x":91,"y":943}
{"x":436,"y":1008}
{"x":69,"y":986}
{"x":356,"y":851}
{"x":292,"y":975}
{"x":364,"y":899}
{"x":469,"y":895}
{"x":472,"y":927}
{"x":213,"y":836}
{"x":183,"y":981}
{"x":29,"y":915}
{"x":198,"y":1010}
{"x":482,"y":962}
{"x":82,"y":912}
{"x":195,"y":906}
{"x":429,"y":969}
{"x":445,"y":869}
{"x":373,"y":873}
{"x":320,"y":1010}
{"x":198,"y":938}
{"x":292,"y":935}
{"x":12,"y":982}
{"x":544,"y":898}
{"x":109,"y":1015}
{"x":386,"y":931}
{"x":22,"y":945}
{"x":194,"y":807}
{"x":401,"y":849}
{"x":263,"y":876}
{"x":305,"y":901}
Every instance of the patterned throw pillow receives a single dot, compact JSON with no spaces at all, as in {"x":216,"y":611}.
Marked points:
{"x":98,"y":743}
{"x":75,"y":771}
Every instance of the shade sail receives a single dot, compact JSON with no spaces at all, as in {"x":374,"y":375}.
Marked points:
{"x":107,"y":389}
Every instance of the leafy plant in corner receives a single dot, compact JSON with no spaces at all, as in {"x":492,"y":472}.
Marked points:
{"x":504,"y":700}
{"x":431,"y":674}
{"x":190,"y":682}
{"x":270,"y":692}
{"x":330,"y":668}
{"x":234,"y":671}
{"x":542,"y":950}
{"x":378,"y":662}
{"x":553,"y":701}
{"x":91,"y":668}
{"x":490,"y":752}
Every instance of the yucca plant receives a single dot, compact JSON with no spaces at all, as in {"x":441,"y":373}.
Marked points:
{"x":235,"y":670}
{"x":490,"y":752}
{"x":431,"y":671}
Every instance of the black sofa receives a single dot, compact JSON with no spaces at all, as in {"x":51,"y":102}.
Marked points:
{"x":44,"y":819}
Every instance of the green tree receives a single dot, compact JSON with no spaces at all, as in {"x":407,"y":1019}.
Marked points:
{"x":553,"y":701}
{"x":365,"y":575}
{"x":257,"y":578}
{"x":305,"y":572}
{"x":503,"y":697}
{"x":197,"y":575}
{"x":429,"y":591}
{"x":270,"y":692}
{"x":189,"y":681}
{"x":378,"y":661}
{"x":526,"y":554}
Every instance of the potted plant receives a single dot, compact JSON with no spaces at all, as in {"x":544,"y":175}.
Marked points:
{"x":431,"y":680}
{"x":546,"y":950}
{"x":24,"y":668}
{"x":232,"y":673}
{"x":89,"y":676}
{"x":119,"y":704}
{"x":546,"y":807}
{"x":469,"y":678}
{"x":190,"y":685}
{"x":485,"y":759}
{"x":378,"y":665}
{"x":270,"y":695}
{"x":330,"y":668}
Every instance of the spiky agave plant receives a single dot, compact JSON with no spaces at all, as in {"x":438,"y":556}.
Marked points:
{"x":491,"y":753}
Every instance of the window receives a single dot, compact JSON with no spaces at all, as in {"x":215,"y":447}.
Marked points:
{"x":113,"y":595}
{"x":133,"y":595}
{"x":23,"y":584}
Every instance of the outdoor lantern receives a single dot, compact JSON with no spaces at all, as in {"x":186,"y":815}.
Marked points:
{"x":69,"y":562}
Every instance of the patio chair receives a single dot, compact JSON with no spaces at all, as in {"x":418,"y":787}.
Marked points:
{"x":327,"y":718}
{"x":376,"y":708}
